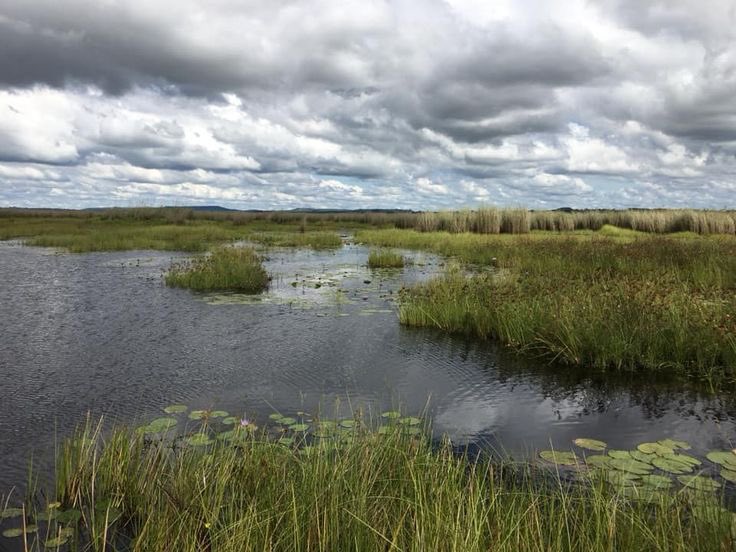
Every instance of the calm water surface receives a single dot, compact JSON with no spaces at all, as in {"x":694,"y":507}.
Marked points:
{"x":101,"y":333}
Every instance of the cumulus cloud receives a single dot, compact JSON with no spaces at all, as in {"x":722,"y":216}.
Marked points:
{"x":377,"y":103}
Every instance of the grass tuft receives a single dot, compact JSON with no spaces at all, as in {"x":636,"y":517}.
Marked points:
{"x":225,"y":269}
{"x":384,"y":258}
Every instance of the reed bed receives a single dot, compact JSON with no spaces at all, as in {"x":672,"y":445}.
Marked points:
{"x":649,"y":302}
{"x":371,"y":492}
{"x":385,"y":258}
{"x":225,"y":269}
{"x":482,"y":220}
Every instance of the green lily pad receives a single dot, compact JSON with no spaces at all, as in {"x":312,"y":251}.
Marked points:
{"x":48,"y":515}
{"x":644,"y":494}
{"x":11,"y":513}
{"x":728,"y":475}
{"x":52,"y":505}
{"x":391,"y":414}
{"x":198,"y":414}
{"x":159,"y":425}
{"x":598,"y":460}
{"x":287,"y":421}
{"x":348,"y":424}
{"x":657,"y":481}
{"x":641,"y":457}
{"x":326,"y":424}
{"x":275,"y":416}
{"x":56,"y":542}
{"x":674,"y":444}
{"x":655,"y":448}
{"x":410,"y":420}
{"x":684,"y":458}
{"x":219,"y":414}
{"x":559,"y":458}
{"x":630,"y":465}
{"x":175,"y":408}
{"x":699,"y":482}
{"x":230,"y":420}
{"x":199,"y":440}
{"x":621,"y":478}
{"x":386,"y":430}
{"x":18,"y":531}
{"x":725,"y":458}
{"x":69,"y":516}
{"x":411,"y":430}
{"x":590,"y":444}
{"x":620,"y":454}
{"x":299,"y":427}
{"x":288,"y":441}
{"x":672,"y":466}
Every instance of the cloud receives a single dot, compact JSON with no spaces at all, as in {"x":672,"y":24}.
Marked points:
{"x":368,"y":103}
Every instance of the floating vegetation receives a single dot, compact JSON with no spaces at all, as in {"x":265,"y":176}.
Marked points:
{"x":699,"y":483}
{"x":18,"y":531}
{"x":728,"y":475}
{"x":287,"y":421}
{"x":630,"y":465}
{"x":199,"y":440}
{"x":655,"y":448}
{"x":230,"y":420}
{"x":672,"y":466}
{"x":658,"y":481}
{"x":391,"y":414}
{"x":410,"y":420}
{"x":11,"y":513}
{"x":159,"y":425}
{"x":590,"y":444}
{"x":674,"y":444}
{"x":199,"y":414}
{"x":620,"y":454}
{"x":299,"y":427}
{"x":176,"y":409}
{"x":727,"y":459}
{"x":559,"y":458}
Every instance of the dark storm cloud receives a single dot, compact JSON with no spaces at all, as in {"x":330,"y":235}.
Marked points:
{"x":453,"y":102}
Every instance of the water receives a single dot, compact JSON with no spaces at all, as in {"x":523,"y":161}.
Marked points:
{"x":101,"y":333}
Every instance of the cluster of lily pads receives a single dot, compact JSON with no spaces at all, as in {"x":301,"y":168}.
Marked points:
{"x":52,"y":526}
{"x":649,"y":468}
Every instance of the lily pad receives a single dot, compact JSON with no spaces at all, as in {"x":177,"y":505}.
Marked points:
{"x":175,"y":409}
{"x":18,"y":531}
{"x":644,"y":494}
{"x":198,"y":414}
{"x":727,"y":459}
{"x":411,"y":430}
{"x":348,"y":424}
{"x":275,"y":416}
{"x":559,"y":458}
{"x":728,"y":475}
{"x":159,"y":425}
{"x":326,"y":424}
{"x":219,"y":414}
{"x":684,"y":458}
{"x":598,"y":460}
{"x":288,"y":441}
{"x":630,"y":466}
{"x":621,"y":478}
{"x":641,"y":457}
{"x":655,"y":448}
{"x":386,"y":430}
{"x":47,"y":515}
{"x":69,"y":516}
{"x":672,"y":466}
{"x":674,"y":444}
{"x":56,"y":542}
{"x":299,"y":427}
{"x":410,"y":420}
{"x":391,"y":414}
{"x":230,"y":420}
{"x":620,"y":454}
{"x":590,"y":444}
{"x":657,"y":481}
{"x":287,"y":421}
{"x":11,"y":513}
{"x":699,"y":482}
{"x":199,"y":440}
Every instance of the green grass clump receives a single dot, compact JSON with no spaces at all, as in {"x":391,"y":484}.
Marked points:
{"x":612,"y":300}
{"x":313,"y":239}
{"x":225,"y":269}
{"x":375,"y":491}
{"x":384,"y":258}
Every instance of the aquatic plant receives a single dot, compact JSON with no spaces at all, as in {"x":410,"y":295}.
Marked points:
{"x":384,"y":258}
{"x":228,"y":268}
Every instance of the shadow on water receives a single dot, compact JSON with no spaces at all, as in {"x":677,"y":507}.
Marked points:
{"x":100,"y":333}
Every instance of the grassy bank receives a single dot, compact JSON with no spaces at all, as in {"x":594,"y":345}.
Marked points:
{"x":613,"y":300}
{"x":227,"y":268}
{"x":384,"y":258}
{"x":370,"y":491}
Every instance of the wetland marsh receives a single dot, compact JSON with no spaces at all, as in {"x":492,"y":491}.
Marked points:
{"x":468,"y":334}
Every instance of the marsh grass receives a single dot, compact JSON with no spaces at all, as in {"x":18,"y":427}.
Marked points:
{"x":225,"y":269}
{"x":309,"y":238}
{"x":372,"y":492}
{"x":611,"y":300}
{"x":385,"y":258}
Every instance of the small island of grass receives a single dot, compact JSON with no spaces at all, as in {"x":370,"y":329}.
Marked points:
{"x":225,"y":269}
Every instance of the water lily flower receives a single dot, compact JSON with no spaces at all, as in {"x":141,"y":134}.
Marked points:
{"x":244,"y":422}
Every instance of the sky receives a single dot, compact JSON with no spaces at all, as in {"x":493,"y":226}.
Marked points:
{"x":431,"y":104}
